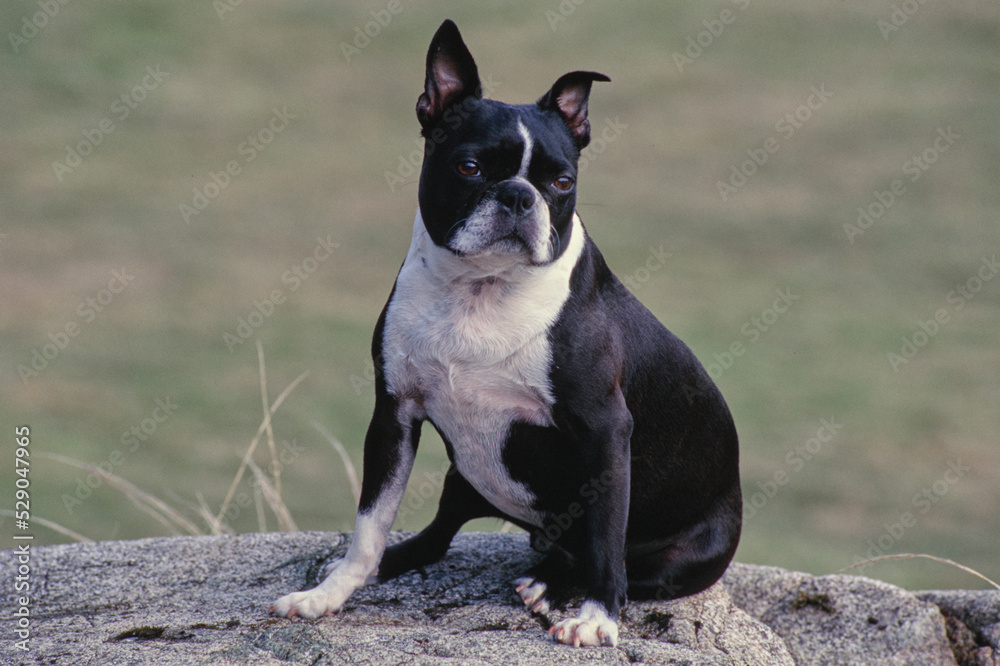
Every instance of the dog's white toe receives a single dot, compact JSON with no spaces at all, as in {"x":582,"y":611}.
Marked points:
{"x":592,"y":627}
{"x":532,"y":593}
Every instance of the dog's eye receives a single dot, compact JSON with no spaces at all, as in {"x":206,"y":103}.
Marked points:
{"x":564,"y":184}
{"x":468,"y":168}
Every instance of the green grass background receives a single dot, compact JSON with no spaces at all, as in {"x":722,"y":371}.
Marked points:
{"x":654,"y":185}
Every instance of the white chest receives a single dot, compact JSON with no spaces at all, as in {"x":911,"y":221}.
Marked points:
{"x":466,"y":345}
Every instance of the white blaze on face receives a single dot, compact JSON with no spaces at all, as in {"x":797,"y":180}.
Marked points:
{"x":526,"y":155}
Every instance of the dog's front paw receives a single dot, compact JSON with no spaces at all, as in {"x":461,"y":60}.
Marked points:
{"x":309,"y":604}
{"x":532,"y":593}
{"x":591,"y":627}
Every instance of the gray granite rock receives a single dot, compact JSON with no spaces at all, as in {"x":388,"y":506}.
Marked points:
{"x":849,"y":620}
{"x":204,"y":600}
{"x":973,"y":621}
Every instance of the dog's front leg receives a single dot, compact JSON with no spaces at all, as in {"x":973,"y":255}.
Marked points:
{"x":607,"y":453}
{"x":389,"y":449}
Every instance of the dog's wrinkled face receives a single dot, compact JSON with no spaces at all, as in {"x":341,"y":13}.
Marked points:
{"x":503,"y":182}
{"x":498,"y":180}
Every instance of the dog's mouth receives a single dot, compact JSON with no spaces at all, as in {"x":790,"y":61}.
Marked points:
{"x":513,"y":242}
{"x":529,"y":239}
{"x":514,"y":247}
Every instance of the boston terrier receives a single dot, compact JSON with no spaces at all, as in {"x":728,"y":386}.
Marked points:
{"x":566,"y":408}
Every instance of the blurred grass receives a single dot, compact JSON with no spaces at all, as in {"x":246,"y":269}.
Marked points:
{"x":655,"y":184}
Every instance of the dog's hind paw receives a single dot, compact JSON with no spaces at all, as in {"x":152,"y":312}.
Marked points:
{"x":532,"y":593}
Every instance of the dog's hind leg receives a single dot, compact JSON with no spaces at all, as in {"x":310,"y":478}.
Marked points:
{"x":688,"y":563}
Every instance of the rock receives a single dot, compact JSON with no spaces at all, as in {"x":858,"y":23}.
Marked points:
{"x":708,"y":623}
{"x":848,"y":620}
{"x":973,"y":621}
{"x":204,"y":600}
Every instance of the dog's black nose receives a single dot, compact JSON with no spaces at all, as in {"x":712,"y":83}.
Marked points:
{"x":518,"y":198}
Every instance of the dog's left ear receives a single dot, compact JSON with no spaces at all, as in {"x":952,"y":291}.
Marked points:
{"x":568,"y":97}
{"x":452,"y":76}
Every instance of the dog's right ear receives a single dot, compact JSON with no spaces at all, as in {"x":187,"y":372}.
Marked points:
{"x":452,"y":76}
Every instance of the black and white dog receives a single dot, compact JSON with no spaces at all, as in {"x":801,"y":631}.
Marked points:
{"x":565,"y":406}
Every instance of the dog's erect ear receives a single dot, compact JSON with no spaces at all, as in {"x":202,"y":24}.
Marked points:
{"x":568,"y":97}
{"x":452,"y":76}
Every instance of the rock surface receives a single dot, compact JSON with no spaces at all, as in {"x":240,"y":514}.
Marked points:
{"x":204,"y":600}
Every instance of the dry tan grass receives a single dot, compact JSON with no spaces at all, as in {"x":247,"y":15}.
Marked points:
{"x":934,"y":558}
{"x":267,"y":489}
